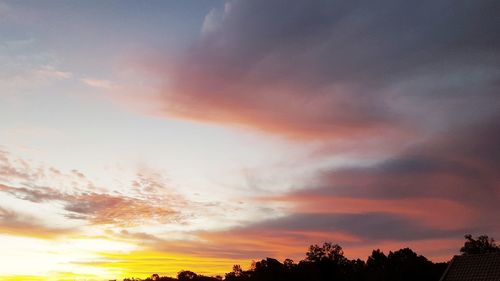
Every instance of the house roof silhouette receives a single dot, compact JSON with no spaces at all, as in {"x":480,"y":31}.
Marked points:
{"x":478,"y":267}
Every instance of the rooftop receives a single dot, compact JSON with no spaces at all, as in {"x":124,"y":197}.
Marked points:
{"x":479,"y":267}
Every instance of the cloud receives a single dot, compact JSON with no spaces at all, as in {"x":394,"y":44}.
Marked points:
{"x":17,"y":224}
{"x":49,"y":72}
{"x":148,"y":200}
{"x":331,"y":69}
{"x":102,"y":208}
{"x":119,"y":210}
{"x":367,"y":226}
{"x":459,"y":165}
{"x":98,"y":83}
{"x":36,"y":195}
{"x":438,"y":189}
{"x":290,"y":236}
{"x":16,"y":169}
{"x":212,"y":21}
{"x":25,"y":68}
{"x":426,"y":196}
{"x":442,"y":214}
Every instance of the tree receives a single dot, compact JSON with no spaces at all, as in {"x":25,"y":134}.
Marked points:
{"x":480,"y":245}
{"x":288,"y":263}
{"x":186,"y":275}
{"x":377,"y":260}
{"x":376,"y":266}
{"x":327,"y":262}
{"x":237,"y":270}
{"x":327,"y":252}
{"x":405,"y":264}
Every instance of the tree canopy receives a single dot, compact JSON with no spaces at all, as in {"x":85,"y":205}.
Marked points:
{"x":481,"y":245}
{"x":327,"y":262}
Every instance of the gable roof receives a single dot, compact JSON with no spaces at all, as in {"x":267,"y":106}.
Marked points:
{"x":480,"y":267}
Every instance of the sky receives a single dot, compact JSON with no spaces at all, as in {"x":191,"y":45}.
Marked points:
{"x":141,"y":137}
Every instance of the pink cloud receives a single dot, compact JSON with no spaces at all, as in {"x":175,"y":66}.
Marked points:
{"x":326,"y":71}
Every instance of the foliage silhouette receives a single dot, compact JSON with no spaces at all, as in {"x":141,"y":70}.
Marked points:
{"x":327,"y":262}
{"x":481,"y":245}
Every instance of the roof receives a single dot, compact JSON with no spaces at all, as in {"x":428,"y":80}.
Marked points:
{"x":479,"y":267}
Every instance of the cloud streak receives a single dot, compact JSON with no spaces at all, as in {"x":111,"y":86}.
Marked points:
{"x":14,"y":223}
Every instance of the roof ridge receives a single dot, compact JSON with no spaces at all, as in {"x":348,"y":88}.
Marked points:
{"x":447,"y":268}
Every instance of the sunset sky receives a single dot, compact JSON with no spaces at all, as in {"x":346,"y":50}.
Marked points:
{"x":141,"y":137}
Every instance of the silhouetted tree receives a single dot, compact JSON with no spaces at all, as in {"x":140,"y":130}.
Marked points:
{"x":237,"y":274}
{"x":186,"y":275}
{"x":329,"y":260}
{"x":288,"y":263}
{"x":237,"y":270}
{"x":327,"y":252}
{"x":327,"y":263}
{"x":376,"y":266}
{"x":480,"y":245}
{"x":355,"y":270}
{"x":269,"y":270}
{"x":406,"y":265}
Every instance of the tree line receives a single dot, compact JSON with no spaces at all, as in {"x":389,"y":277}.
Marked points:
{"x":327,"y":262}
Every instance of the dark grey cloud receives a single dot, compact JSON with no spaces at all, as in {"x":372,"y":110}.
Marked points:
{"x":458,"y":168}
{"x":337,"y":40}
{"x":369,"y":226}
{"x":459,"y":164}
{"x":341,"y":68}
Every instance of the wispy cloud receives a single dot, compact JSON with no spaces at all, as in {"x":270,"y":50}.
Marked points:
{"x":50,"y":72}
{"x":119,"y":210}
{"x":99,"y":83}
{"x":101,"y":208}
{"x":148,"y":200}
{"x":17,"y":224}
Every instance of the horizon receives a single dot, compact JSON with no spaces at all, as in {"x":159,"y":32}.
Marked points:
{"x":141,"y":137}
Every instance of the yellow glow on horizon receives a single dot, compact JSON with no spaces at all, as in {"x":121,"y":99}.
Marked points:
{"x":34,"y":259}
{"x":23,"y":278}
{"x":28,"y":258}
{"x":144,"y":263}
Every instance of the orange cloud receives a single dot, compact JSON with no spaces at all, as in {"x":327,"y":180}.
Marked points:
{"x":117,"y":210}
{"x":148,"y":199}
{"x":432,"y":212}
{"x":101,"y":208}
